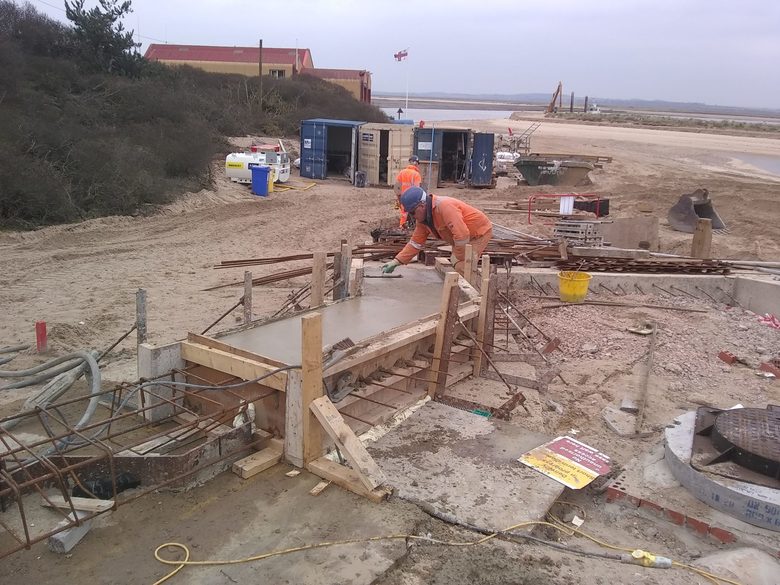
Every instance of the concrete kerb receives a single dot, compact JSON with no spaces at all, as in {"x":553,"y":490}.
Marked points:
{"x":757,"y":293}
{"x":754,"y":504}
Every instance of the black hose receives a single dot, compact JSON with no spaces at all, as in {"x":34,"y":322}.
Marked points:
{"x":511,"y":536}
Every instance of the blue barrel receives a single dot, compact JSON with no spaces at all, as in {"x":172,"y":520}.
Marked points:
{"x":260,"y":175}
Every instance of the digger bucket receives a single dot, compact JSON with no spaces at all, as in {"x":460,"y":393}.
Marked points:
{"x":684,"y":215}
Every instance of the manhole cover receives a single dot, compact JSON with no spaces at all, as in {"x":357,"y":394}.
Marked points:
{"x":752,"y":438}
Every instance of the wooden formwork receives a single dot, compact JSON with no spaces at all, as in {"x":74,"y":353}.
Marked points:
{"x":397,"y":369}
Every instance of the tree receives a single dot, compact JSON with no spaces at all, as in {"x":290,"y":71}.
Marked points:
{"x":102,"y":37}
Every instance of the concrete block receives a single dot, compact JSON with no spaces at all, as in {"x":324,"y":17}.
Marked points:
{"x":629,"y":405}
{"x":622,"y":423}
{"x":153,"y":361}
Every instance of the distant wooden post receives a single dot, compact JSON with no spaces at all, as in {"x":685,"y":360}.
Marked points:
{"x":702,"y":239}
{"x":247,"y":297}
{"x":318,"y":279}
{"x":140,"y":316}
{"x":444,"y":333}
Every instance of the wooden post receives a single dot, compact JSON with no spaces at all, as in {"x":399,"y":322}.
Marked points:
{"x":293,"y":419}
{"x":336,"y":273}
{"x":356,"y":278}
{"x":702,"y":239}
{"x":484,"y":291}
{"x":468,"y":269}
{"x":311,"y":383}
{"x":140,"y":316}
{"x":318,"y":279}
{"x":247,"y":297}
{"x":444,"y":333}
{"x":341,"y":289}
{"x":489,"y":299}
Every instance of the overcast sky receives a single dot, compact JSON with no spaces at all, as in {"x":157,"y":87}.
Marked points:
{"x":724,"y":52}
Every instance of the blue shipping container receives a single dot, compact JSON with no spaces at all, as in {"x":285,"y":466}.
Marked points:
{"x":328,"y":147}
{"x":481,"y":163}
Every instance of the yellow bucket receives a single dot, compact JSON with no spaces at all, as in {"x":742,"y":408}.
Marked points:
{"x":573,"y":286}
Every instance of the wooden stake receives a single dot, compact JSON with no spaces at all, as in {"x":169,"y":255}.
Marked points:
{"x":318,"y":279}
{"x":468,"y":269}
{"x":444,"y":332}
{"x":293,"y":419}
{"x":702,"y":239}
{"x":341,"y":287}
{"x":247,"y":297}
{"x":484,"y":291}
{"x":311,"y":383}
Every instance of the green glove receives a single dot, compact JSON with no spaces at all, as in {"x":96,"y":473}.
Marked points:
{"x":390,"y":266}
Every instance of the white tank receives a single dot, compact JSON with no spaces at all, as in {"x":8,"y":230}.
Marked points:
{"x":238,"y":165}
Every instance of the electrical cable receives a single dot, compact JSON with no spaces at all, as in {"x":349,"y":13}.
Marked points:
{"x":507,"y":532}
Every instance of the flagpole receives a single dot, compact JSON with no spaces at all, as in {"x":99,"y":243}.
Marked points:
{"x":406,"y":107}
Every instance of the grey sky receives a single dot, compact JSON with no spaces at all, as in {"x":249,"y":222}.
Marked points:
{"x":724,"y":52}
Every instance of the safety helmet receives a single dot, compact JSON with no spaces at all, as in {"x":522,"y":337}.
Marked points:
{"x":412,"y":197}
{"x":414,"y":159}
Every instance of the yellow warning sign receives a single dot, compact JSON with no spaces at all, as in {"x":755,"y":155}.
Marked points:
{"x":568,"y":461}
{"x":234,"y":165}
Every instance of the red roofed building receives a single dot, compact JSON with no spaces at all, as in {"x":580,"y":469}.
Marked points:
{"x":356,"y":81}
{"x":246,"y":61}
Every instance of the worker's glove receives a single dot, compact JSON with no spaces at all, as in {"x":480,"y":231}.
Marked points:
{"x":390,"y":266}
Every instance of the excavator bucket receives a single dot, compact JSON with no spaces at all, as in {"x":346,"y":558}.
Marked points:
{"x":684,"y":214}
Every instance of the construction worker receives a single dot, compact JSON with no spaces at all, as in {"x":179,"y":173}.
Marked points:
{"x":408,"y":177}
{"x":448,"y":219}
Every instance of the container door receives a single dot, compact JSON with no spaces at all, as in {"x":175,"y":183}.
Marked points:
{"x":427,"y":143}
{"x":369,"y":154}
{"x":482,"y":160}
{"x":400,"y":148}
{"x":314,"y":140}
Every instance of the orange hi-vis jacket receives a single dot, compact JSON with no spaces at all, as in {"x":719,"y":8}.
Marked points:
{"x":457,"y":224}
{"x":408,"y":177}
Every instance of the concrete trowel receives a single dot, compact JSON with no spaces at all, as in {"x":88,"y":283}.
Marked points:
{"x":684,"y":215}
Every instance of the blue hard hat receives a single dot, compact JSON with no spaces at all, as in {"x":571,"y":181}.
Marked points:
{"x":412,"y":197}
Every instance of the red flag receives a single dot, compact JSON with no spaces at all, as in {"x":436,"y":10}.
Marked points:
{"x":401,"y":55}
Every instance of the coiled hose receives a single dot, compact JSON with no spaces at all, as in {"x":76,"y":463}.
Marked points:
{"x":74,"y":364}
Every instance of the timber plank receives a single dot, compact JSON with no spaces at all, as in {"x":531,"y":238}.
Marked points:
{"x":229,"y":363}
{"x":346,"y":478}
{"x":369,"y":473}
{"x":79,"y":504}
{"x":257,"y":462}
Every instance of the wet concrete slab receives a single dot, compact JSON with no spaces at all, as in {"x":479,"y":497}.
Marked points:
{"x":465,"y":465}
{"x":386,"y":303}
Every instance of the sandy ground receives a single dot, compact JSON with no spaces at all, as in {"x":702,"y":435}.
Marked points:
{"x":82,"y":278}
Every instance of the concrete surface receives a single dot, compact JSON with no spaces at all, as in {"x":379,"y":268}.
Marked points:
{"x":649,"y":478}
{"x":385,"y":304}
{"x":465,"y":465}
{"x":231,"y":518}
{"x":755,"y":504}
